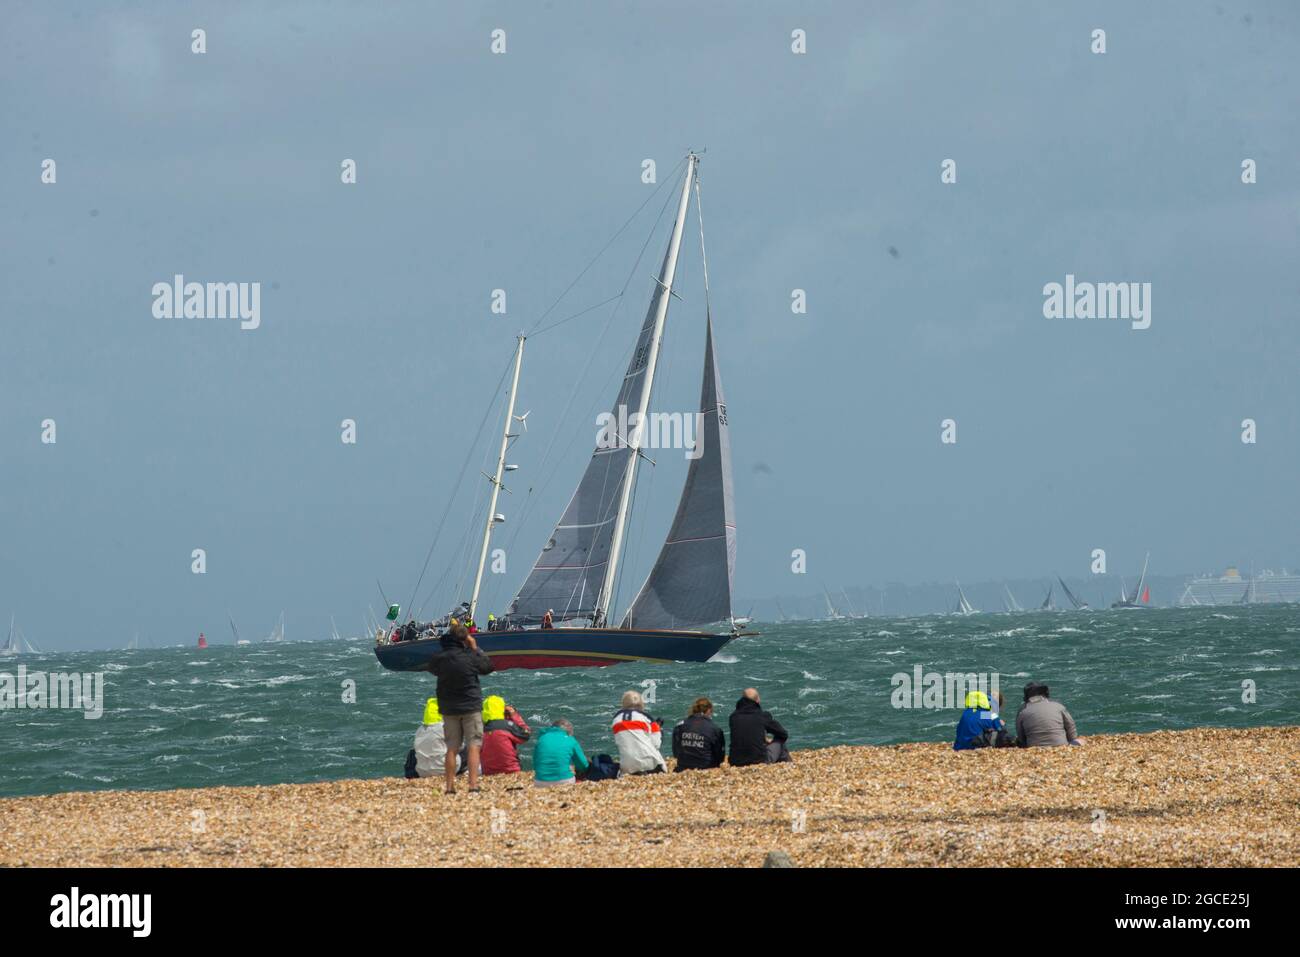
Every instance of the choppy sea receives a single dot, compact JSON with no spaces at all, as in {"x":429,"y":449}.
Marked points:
{"x":282,"y":712}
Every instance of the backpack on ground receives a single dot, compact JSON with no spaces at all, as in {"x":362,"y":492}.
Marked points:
{"x":602,"y":768}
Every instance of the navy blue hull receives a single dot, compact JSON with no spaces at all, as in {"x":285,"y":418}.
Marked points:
{"x":564,"y":648}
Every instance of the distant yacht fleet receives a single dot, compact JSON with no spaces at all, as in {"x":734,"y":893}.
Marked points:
{"x":1229,"y":588}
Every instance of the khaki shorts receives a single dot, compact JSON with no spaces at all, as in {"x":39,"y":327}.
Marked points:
{"x":463,"y":730}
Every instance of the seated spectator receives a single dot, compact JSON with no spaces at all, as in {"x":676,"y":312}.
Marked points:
{"x":1043,"y":722}
{"x":503,"y":731}
{"x":979,"y":725}
{"x":756,"y":737}
{"x":428,"y":758}
{"x":557,"y":756}
{"x":698,"y":743}
{"x":638,"y":738}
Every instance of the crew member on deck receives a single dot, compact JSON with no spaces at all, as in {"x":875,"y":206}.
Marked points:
{"x":548,"y":619}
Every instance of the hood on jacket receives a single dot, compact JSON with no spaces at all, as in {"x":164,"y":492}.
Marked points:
{"x":494,"y":708}
{"x":431,"y":713}
{"x":978,"y":700}
{"x":748,"y":704}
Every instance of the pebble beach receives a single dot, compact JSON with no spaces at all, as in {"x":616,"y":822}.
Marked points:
{"x":1203,"y":797}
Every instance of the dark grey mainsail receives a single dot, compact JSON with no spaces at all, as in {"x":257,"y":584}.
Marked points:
{"x":690,"y":584}
{"x":575,"y":573}
{"x":568,"y":574}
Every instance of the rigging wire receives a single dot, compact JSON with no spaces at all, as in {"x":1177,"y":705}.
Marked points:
{"x":459,"y":478}
{"x":608,"y":243}
{"x":561,"y":322}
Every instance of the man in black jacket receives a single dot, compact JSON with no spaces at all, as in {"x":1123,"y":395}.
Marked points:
{"x":698,"y":743}
{"x":750,"y":726}
{"x":460,"y":699}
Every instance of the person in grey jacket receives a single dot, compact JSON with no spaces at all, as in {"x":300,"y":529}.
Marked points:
{"x":1043,"y":722}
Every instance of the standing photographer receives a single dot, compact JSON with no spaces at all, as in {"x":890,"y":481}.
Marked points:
{"x":460,"y":699}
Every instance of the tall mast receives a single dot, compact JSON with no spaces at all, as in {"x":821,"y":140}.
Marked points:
{"x":666,"y":274}
{"x":496,"y":480}
{"x":1137,"y":595}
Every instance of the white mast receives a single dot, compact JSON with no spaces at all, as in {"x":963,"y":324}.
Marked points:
{"x":1137,"y":595}
{"x":665,"y":280}
{"x":506,"y":435}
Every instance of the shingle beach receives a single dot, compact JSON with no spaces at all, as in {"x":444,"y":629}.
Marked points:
{"x":1203,"y":797}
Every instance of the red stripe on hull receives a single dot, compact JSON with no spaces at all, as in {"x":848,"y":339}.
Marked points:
{"x":503,"y":662}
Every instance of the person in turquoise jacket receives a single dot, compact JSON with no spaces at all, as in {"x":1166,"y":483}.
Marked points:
{"x":557,"y":756}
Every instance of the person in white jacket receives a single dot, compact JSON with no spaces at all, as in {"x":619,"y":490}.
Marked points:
{"x":431,"y":744}
{"x":637,"y":736}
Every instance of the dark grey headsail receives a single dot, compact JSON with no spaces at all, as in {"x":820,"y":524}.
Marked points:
{"x":1070,"y":595}
{"x":568,"y":574}
{"x":690,"y":584}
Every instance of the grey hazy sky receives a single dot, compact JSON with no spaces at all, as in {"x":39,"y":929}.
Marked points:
{"x":479,"y":171}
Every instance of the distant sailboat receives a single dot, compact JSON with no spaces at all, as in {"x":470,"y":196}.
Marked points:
{"x":1141,"y":594}
{"x":1048,"y":604}
{"x":277,"y":633}
{"x":964,"y":607}
{"x":1249,"y":597}
{"x":832,"y":613}
{"x":17,"y":643}
{"x":235,"y":631}
{"x":1077,"y":603}
{"x":1010,"y":604}
{"x":848,"y":602}
{"x":334,"y":630}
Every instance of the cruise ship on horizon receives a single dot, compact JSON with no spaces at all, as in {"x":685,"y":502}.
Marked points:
{"x":1231,"y":588}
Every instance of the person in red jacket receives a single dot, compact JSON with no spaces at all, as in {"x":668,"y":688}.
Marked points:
{"x":503,"y":731}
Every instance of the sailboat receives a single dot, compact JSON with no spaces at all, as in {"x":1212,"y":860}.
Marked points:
{"x":17,"y":643}
{"x":277,"y":633}
{"x":964,"y":607}
{"x":1250,"y":596}
{"x":1048,"y":604}
{"x":832,"y":613}
{"x":334,"y":630}
{"x":848,"y":603}
{"x":1141,"y":597}
{"x":1079,"y":605}
{"x":235,"y":631}
{"x":1010,"y":604}
{"x":572,"y":584}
